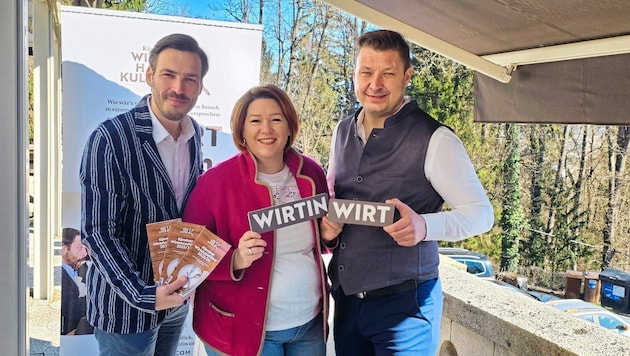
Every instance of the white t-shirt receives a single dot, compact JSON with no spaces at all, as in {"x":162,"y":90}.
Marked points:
{"x":295,"y":284}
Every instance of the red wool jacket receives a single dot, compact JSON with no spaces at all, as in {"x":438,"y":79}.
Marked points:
{"x":230,"y":310}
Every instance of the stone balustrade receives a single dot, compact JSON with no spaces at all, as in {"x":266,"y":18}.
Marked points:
{"x":484,"y":319}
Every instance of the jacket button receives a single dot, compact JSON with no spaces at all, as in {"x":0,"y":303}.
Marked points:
{"x":341,"y":268}
{"x":342,"y":245}
{"x":359,"y":179}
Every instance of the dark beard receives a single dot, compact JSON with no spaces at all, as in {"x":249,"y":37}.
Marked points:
{"x":73,"y":262}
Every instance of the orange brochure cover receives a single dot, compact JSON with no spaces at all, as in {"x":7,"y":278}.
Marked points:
{"x":205,"y":253}
{"x":180,"y":238}
{"x":157,"y":235}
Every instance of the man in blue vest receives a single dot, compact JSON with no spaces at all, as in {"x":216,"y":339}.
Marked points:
{"x":388,"y":296}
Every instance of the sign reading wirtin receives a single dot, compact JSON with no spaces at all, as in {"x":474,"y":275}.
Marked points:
{"x":287,"y":214}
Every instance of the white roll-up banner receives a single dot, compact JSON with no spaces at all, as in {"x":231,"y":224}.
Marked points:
{"x":105,"y":56}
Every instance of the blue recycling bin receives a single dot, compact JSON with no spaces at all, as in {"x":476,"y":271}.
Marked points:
{"x":615,"y":292}
{"x":592,"y":287}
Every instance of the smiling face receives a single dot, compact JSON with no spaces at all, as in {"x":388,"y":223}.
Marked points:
{"x":380,"y":79}
{"x":266,"y":133}
{"x":175,"y":84}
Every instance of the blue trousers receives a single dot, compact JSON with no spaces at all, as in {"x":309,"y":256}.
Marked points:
{"x":304,"y":340}
{"x":406,"y":323}
{"x":159,"y":341}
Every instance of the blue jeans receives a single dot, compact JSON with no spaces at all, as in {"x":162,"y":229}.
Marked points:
{"x":162,"y":340}
{"x":407,"y":323}
{"x":305,"y":340}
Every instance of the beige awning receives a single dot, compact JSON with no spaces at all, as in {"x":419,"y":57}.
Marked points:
{"x":535,"y":60}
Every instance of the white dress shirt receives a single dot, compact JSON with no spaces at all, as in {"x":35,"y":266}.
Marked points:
{"x":451,"y":173}
{"x":175,"y":153}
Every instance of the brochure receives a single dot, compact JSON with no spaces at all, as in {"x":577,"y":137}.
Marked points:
{"x":157,"y":234}
{"x":178,"y":248}
{"x":205,"y":253}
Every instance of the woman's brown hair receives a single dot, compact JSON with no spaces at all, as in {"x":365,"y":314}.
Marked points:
{"x":269,"y":91}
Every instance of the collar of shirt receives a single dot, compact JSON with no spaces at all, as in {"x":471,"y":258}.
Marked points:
{"x":73,"y":273}
{"x":361,"y":117}
{"x":174,"y":153}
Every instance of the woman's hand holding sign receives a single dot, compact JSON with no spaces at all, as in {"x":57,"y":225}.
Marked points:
{"x":329,"y":230}
{"x":251,"y":247}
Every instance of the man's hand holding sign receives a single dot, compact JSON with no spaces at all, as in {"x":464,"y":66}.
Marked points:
{"x":410,"y":229}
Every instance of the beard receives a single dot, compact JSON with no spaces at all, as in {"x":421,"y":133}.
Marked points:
{"x":170,"y":114}
{"x":73,"y":261}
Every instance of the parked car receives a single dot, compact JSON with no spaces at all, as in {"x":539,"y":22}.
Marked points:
{"x":476,"y":263}
{"x":511,"y":288}
{"x":539,"y":296}
{"x":542,"y":296}
{"x":595,"y":314}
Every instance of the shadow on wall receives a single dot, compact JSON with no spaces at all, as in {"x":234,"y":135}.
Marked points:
{"x":447,"y":349}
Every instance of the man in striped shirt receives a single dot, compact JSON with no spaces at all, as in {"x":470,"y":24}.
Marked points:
{"x":139,"y":168}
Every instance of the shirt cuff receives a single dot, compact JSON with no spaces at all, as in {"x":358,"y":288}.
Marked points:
{"x":435,"y":227}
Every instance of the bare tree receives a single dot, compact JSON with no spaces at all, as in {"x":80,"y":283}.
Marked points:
{"x":618,"y":148}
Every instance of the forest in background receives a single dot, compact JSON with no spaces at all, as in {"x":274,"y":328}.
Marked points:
{"x":560,"y":192}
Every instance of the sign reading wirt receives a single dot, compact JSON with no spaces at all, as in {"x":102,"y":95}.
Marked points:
{"x":287,"y":214}
{"x":361,"y":212}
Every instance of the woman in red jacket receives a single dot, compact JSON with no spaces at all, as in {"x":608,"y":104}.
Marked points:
{"x":268,"y":296}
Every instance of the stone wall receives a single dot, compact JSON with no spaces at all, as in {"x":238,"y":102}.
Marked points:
{"x":481,"y":318}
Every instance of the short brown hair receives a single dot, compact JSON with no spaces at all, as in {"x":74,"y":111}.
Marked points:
{"x":68,"y":235}
{"x":269,"y":91}
{"x":182,"y":43}
{"x":383,"y":40}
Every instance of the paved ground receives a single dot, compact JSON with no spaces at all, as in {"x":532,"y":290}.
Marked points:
{"x":43,"y":324}
{"x":43,"y":316}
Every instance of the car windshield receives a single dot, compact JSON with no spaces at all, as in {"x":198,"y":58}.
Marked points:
{"x":587,"y":318}
{"x":609,"y":322}
{"x":474,"y":267}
